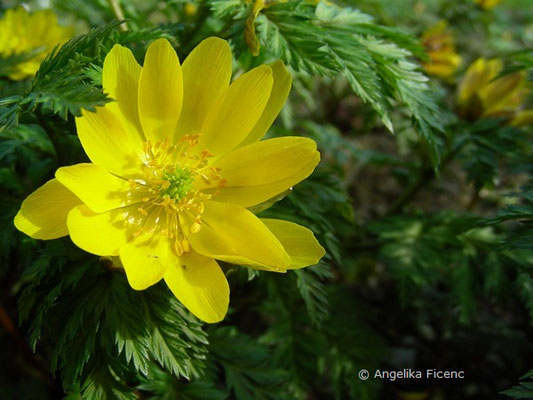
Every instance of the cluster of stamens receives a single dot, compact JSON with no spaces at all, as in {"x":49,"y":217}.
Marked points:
{"x":170,"y":199}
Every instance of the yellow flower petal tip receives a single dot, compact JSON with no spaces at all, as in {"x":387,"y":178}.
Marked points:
{"x":33,"y":34}
{"x":190,"y":9}
{"x":487,"y":4}
{"x":177,"y":165}
{"x":482,"y":94}
{"x":160,"y":93}
{"x":199,"y":283}
{"x":299,"y":242}
{"x":439,"y":44}
{"x":43,"y":214}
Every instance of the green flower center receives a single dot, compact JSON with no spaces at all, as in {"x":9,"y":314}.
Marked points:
{"x":179,"y":183}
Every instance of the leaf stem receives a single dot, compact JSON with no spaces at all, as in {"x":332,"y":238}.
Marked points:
{"x":474,"y":198}
{"x":119,"y":14}
{"x":426,"y":175}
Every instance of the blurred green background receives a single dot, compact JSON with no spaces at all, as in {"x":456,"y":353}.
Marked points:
{"x":428,"y":231}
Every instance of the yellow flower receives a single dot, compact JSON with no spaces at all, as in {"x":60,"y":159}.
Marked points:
{"x":480,"y":95}
{"x":487,"y":4}
{"x":36,"y":33}
{"x":443,"y":59}
{"x":249,"y":30}
{"x":176,"y":163}
{"x":190,"y":9}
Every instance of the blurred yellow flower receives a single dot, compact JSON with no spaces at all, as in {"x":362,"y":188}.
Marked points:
{"x":487,"y":4}
{"x":439,"y":44}
{"x":249,"y":30}
{"x":480,"y":95}
{"x":36,"y":34}
{"x":177,"y":160}
{"x":191,"y":9}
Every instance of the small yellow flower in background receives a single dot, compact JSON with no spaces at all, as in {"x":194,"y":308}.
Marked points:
{"x":249,"y":30}
{"x":480,"y":95}
{"x":190,"y":9}
{"x":176,"y":163}
{"x":37,"y":33}
{"x":439,"y":44}
{"x":487,"y":4}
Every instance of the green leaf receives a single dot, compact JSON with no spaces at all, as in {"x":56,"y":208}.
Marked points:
{"x":463,"y":281}
{"x":163,"y":386}
{"x":378,"y":62}
{"x":524,"y":390}
{"x":7,"y":63}
{"x":352,"y":345}
{"x":105,"y":334}
{"x":524,"y":283}
{"x":485,"y":144}
{"x":62,"y":84}
{"x":102,"y":384}
{"x":246,"y":366}
{"x":171,"y":338}
{"x":521,"y":233}
{"x":309,"y":283}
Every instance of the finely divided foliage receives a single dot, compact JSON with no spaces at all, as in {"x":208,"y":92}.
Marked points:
{"x":396,"y":271}
{"x":111,"y":325}
{"x":62,"y":84}
{"x":377,"y":61}
{"x":69,"y":79}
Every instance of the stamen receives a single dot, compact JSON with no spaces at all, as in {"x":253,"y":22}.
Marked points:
{"x":195,"y":227}
{"x":168,"y":192}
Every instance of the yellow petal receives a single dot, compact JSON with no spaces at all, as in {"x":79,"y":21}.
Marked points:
{"x":476,"y":76}
{"x":97,"y":188}
{"x":440,"y":70}
{"x":298,"y":241}
{"x":488,"y":4}
{"x":206,"y":75}
{"x":108,"y":143}
{"x":43,"y":214}
{"x":145,"y":260}
{"x":443,"y":64}
{"x":524,"y":117}
{"x":236,"y":111}
{"x":501,"y":93}
{"x":101,"y":234}
{"x":260,"y":171}
{"x":120,"y":79}
{"x":200,"y":285}
{"x":436,"y":32}
{"x":231,"y":233}
{"x":278,"y":96}
{"x":37,"y":32}
{"x":160,"y":91}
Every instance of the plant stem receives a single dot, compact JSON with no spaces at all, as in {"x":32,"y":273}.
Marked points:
{"x":119,"y":14}
{"x":426,"y":175}
{"x":474,"y":198}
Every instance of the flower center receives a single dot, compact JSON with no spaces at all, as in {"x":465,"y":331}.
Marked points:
{"x":172,"y":205}
{"x":177,"y":184}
